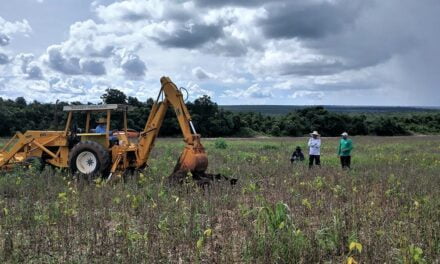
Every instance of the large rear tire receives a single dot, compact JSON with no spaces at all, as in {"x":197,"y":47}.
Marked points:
{"x":89,"y":158}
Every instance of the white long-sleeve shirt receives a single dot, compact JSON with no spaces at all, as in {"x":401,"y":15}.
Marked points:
{"x":314,"y":146}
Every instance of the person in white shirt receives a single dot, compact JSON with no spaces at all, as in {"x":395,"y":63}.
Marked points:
{"x":314,"y":149}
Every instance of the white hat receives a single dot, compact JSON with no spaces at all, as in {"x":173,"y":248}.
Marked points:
{"x":345,"y":134}
{"x":315,"y":133}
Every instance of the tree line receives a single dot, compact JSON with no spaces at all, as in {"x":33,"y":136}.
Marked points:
{"x":211,"y":120}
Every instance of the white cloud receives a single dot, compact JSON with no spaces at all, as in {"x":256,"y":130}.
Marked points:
{"x":290,"y":57}
{"x":4,"y":59}
{"x":131,"y":64}
{"x":58,"y":62}
{"x":254,"y":91}
{"x":194,"y":91}
{"x":34,"y":71}
{"x":39,"y":87}
{"x":4,"y":39}
{"x":92,"y":67}
{"x":25,"y":59}
{"x":73,"y":86}
{"x":72,"y":65}
{"x":28,"y":66}
{"x":233,"y":81}
{"x":17,"y":27}
{"x":310,"y":95}
{"x":130,"y":11}
{"x":202,"y":74}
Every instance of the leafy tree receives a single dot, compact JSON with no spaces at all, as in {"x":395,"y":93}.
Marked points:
{"x":388,"y":127}
{"x":275,"y":131}
{"x":20,"y":101}
{"x":133,"y":101}
{"x":358,"y":125}
{"x":212,"y":121}
{"x":114,"y":96}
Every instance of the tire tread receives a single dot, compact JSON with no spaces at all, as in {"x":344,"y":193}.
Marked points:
{"x":102,"y":154}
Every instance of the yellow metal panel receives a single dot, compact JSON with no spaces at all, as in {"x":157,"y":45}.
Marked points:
{"x":62,"y":160}
{"x":98,"y":138}
{"x":48,"y":138}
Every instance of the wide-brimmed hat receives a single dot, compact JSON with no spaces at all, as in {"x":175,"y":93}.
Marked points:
{"x":345,"y":134}
{"x":101,"y":120}
{"x":314,"y":133}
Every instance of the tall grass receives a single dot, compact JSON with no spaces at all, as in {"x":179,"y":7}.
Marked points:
{"x":386,"y":209}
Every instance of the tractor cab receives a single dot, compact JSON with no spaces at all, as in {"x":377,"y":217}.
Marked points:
{"x":95,"y":114}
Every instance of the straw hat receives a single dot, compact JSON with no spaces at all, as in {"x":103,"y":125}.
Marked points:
{"x":101,"y":120}
{"x":314,"y":133}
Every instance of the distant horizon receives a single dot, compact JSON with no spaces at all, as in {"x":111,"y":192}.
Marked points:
{"x":334,"y":105}
{"x":284,"y":109}
{"x":30,"y":100}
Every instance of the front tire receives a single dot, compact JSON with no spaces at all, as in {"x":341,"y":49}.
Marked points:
{"x":89,"y":158}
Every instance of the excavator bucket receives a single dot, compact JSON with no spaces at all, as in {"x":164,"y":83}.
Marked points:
{"x":194,"y":160}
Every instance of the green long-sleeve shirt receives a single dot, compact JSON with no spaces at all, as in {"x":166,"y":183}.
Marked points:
{"x":345,"y":147}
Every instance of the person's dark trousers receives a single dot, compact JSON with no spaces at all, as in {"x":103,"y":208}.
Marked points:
{"x":345,"y":162}
{"x":316,"y":159}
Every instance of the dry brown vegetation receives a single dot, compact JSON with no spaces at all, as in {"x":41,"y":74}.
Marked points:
{"x":386,"y":209}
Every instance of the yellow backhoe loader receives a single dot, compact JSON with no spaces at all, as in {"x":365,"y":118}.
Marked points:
{"x":91,"y":153}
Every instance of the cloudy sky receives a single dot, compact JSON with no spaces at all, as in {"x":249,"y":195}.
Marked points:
{"x":341,"y":52}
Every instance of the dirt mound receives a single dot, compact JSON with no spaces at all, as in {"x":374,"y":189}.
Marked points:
{"x":201,"y":178}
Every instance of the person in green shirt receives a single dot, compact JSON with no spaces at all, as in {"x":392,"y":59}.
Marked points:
{"x":344,"y":150}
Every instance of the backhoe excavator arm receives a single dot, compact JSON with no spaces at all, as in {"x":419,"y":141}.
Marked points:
{"x":193,"y":157}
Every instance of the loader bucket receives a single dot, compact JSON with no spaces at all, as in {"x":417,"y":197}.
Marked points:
{"x":1,"y":157}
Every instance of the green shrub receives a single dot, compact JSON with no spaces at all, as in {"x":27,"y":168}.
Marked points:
{"x":275,"y":236}
{"x":220,"y":143}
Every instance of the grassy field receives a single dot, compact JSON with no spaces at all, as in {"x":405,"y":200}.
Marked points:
{"x":386,"y":209}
